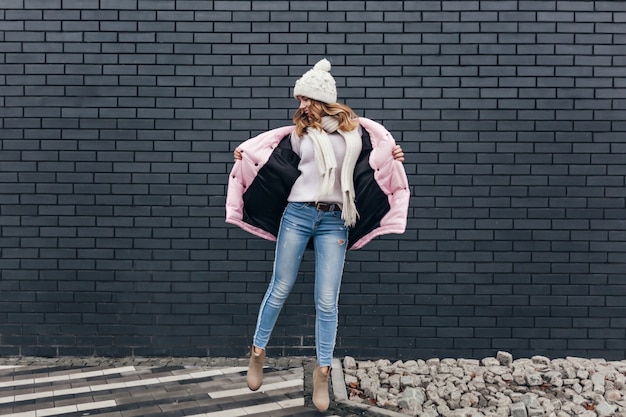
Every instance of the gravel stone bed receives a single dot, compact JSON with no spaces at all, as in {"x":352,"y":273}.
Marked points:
{"x":491,"y":387}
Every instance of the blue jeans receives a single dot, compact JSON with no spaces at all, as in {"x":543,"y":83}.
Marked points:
{"x":300,"y":222}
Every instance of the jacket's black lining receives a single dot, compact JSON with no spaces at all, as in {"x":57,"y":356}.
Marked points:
{"x":266,"y":198}
{"x":371,"y":203}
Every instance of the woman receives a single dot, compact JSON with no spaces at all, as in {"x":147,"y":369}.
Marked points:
{"x":332,"y":182}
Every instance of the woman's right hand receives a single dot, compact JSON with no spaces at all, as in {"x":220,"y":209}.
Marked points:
{"x":237,"y":155}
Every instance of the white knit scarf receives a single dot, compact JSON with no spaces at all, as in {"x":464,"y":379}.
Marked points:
{"x":327,"y":164}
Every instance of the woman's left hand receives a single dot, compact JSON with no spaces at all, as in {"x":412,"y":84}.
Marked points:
{"x":397,"y":153}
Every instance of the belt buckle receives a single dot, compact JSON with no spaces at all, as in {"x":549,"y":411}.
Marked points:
{"x":321,"y":206}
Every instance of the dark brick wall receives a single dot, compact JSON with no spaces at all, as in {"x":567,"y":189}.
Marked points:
{"x":118,"y":121}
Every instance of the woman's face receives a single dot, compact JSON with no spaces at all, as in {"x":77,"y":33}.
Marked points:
{"x":305,"y":102}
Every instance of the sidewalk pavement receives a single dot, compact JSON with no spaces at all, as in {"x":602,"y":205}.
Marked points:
{"x":191,"y":387}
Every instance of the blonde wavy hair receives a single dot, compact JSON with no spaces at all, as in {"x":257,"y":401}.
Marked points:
{"x":317,"y":109}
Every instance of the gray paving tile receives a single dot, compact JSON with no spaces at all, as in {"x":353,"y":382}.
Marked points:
{"x":169,"y":390}
{"x":178,"y":394}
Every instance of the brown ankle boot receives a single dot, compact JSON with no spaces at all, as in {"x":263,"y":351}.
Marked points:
{"x":255,"y":369}
{"x":321,"y":399}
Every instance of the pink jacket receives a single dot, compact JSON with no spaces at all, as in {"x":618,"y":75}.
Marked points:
{"x":261,"y":181}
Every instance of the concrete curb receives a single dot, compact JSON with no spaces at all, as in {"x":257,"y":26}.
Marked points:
{"x":338,"y":381}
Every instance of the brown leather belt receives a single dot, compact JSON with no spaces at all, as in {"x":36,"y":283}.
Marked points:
{"x":324,"y":206}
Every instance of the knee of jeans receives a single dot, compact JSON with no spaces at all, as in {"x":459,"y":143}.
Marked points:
{"x":279,"y":293}
{"x":326,"y":306}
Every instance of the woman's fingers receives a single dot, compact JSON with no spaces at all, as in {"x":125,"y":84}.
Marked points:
{"x":397,"y":153}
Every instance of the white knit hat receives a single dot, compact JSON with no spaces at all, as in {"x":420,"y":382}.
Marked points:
{"x":317,"y":84}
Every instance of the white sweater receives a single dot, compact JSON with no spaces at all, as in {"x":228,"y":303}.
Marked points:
{"x":306,"y":186}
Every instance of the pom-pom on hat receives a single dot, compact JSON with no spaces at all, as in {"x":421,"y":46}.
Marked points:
{"x":317,"y":84}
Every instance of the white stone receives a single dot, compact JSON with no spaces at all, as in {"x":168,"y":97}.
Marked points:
{"x":444,"y":369}
{"x":489,"y":361}
{"x":534,"y":379}
{"x":382,"y":396}
{"x":519,"y":377}
{"x":508,"y":377}
{"x":541,"y":360}
{"x":392,"y":403}
{"x":476,"y":385}
{"x":365,"y":364}
{"x":429,"y":412}
{"x":582,"y":374}
{"x":369,"y":386}
{"x":394,"y":381}
{"x":410,"y":364}
{"x":613,"y":395}
{"x":455,"y":400}
{"x":505,"y":358}
{"x":569,"y":372}
{"x":537,"y":387}
{"x":468,"y":363}
{"x":498,"y":370}
{"x":469,"y":399}
{"x":531,"y":401}
{"x":535,"y":412}
{"x":409,"y":381}
{"x":349,"y":362}
{"x":465,"y":412}
{"x":518,"y":410}
{"x":503,"y":411}
{"x":556,"y":404}
{"x":416,"y":395}
{"x":351,"y":380}
{"x":423,"y":370}
{"x":547,"y":405}
{"x":381,"y":363}
{"x":458,"y":372}
{"x":604,"y":409}
{"x":598,"y":381}
{"x":443,"y":409}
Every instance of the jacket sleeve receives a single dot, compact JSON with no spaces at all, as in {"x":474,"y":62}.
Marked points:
{"x":253,"y":171}
{"x":391,"y":179}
